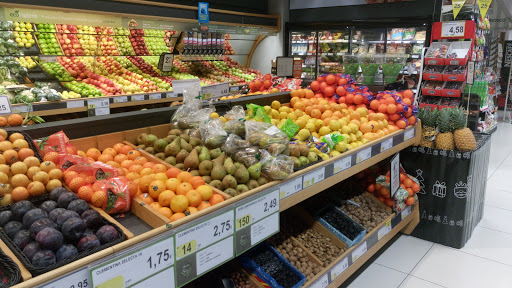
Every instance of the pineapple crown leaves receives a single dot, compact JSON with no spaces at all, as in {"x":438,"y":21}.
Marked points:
{"x":458,"y":119}
{"x":444,"y":120}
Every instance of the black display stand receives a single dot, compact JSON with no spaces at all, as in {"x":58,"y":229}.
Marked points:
{"x":452,"y":194}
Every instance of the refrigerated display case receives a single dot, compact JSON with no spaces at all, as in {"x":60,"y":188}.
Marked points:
{"x":304,"y":46}
{"x":332,"y":45}
{"x":368,"y":41}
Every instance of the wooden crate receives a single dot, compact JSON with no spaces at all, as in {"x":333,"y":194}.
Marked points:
{"x":25,"y":274}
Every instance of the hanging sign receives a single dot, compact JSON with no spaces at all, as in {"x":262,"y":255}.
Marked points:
{"x":203,"y":15}
{"x":297,"y":68}
{"x":453,"y":29}
{"x":483,"y":5}
{"x":457,"y":5}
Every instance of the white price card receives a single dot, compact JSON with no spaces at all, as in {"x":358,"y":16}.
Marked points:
{"x":291,"y":187}
{"x":339,"y":268}
{"x":406,"y":212}
{"x":75,"y":104}
{"x":409,"y":134}
{"x":215,"y":90}
{"x":313,"y":177}
{"x":135,"y":266}
{"x":284,"y":66}
{"x":384,"y":230}
{"x":137,"y":97}
{"x":214,"y":255}
{"x":155,"y":96}
{"x":254,"y":211}
{"x":395,"y":174}
{"x":77,"y":279}
{"x":322,"y":282}
{"x":453,"y":29}
{"x":164,"y":279}
{"x":234,"y":88}
{"x":342,"y":164}
{"x":385,"y":145}
{"x":5,"y":105}
{"x":21,"y":109}
{"x":98,"y":107}
{"x":169,"y":95}
{"x":48,"y":58}
{"x":120,"y":99}
{"x":191,"y":84}
{"x":264,"y":228}
{"x":364,"y":155}
{"x":165,"y":62}
{"x":204,"y":234}
{"x":359,"y":251}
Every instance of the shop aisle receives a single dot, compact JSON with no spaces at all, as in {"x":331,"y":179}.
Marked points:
{"x":485,"y":261}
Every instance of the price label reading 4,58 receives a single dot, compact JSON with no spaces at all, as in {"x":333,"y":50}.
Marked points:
{"x":453,"y":29}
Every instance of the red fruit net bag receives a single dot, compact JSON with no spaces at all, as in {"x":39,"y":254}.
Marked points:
{"x":57,"y":142}
{"x":66,"y":161}
{"x":116,"y":195}
{"x":93,"y":171}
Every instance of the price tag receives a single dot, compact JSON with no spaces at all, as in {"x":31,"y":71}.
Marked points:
{"x":234,"y":89}
{"x":385,"y":145}
{"x":484,"y":5}
{"x":291,"y":187}
{"x":164,"y":279}
{"x":322,"y":282}
{"x":78,"y":279}
{"x":120,"y":99}
{"x":395,"y":174}
{"x":20,"y":109}
{"x":359,"y":251}
{"x":48,"y":58}
{"x":97,"y":107}
{"x":409,"y":134}
{"x":165,"y":62}
{"x":169,"y":95}
{"x":406,"y":212}
{"x":339,"y":268}
{"x":137,"y":97}
{"x":342,"y":164}
{"x":75,"y":104}
{"x":453,"y":29}
{"x":135,"y":266}
{"x":5,"y":105}
{"x":384,"y":230}
{"x":180,"y":85}
{"x":313,"y":177}
{"x":215,"y":90}
{"x":207,"y":245}
{"x":155,"y":96}
{"x":261,"y":215}
{"x":364,"y":155}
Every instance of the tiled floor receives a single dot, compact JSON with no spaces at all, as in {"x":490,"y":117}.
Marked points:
{"x":485,"y":260}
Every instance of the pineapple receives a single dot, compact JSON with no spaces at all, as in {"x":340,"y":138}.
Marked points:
{"x":444,"y":139}
{"x":463,"y":136}
{"x":428,"y":119}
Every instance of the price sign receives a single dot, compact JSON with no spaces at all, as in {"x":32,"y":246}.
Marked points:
{"x":120,"y":99}
{"x":385,"y":145}
{"x":406,"y":212}
{"x":359,"y":251}
{"x":453,"y":29}
{"x":169,"y":95}
{"x":165,"y":62}
{"x":313,"y":177}
{"x":97,"y":107}
{"x":180,"y":85}
{"x":409,"y":134}
{"x":395,"y":174}
{"x":48,"y":58}
{"x":215,"y":90}
{"x":484,"y":5}
{"x":234,"y":89}
{"x":164,"y":279}
{"x":384,"y":230}
{"x":291,"y":187}
{"x":256,"y":220}
{"x":135,"y":266}
{"x":457,"y":5}
{"x":74,"y":104}
{"x":364,"y":155}
{"x":284,"y":66}
{"x":322,"y":282}
{"x":342,"y":164}
{"x":339,"y":268}
{"x":21,"y":108}
{"x":204,"y":246}
{"x":137,"y":97}
{"x":155,"y":96}
{"x":5,"y":105}
{"x":78,"y":279}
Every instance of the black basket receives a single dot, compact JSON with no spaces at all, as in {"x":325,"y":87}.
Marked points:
{"x":10,"y":270}
{"x":30,"y":141}
{"x":41,"y":270}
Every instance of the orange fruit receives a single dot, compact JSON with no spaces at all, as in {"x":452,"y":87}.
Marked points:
{"x":21,"y":180}
{"x":141,"y":160}
{"x":110,"y":151}
{"x":90,"y":179}
{"x":3,"y":122}
{"x":52,"y":184}
{"x":146,"y":171}
{"x":47,"y":166}
{"x":155,"y":205}
{"x":15,"y":120}
{"x":415,"y":187}
{"x":191,"y":210}
{"x":74,"y":185}
{"x":159,"y":168}
{"x":160,"y":176}
{"x":408,"y":183}
{"x":137,"y":168}
{"x":149,"y":165}
{"x":167,"y":212}
{"x":93,"y":153}
{"x":155,"y":188}
{"x":105,"y":158}
{"x":165,"y":198}
{"x":409,"y":201}
{"x":172,"y":184}
{"x":132,"y":155}
{"x":194,"y":198}
{"x":177,"y":216}
{"x":184,"y":176}
{"x":98,"y":198}
{"x":19,"y":168}
{"x":11,"y":156}
{"x":196,"y":181}
{"x":30,"y":161}
{"x":144,"y":183}
{"x":132,"y":176}
{"x":36,"y":188}
{"x":206,"y":192}
{"x":119,"y":158}
{"x":179,"y":203}
{"x":69,"y":175}
{"x":183,"y":188}
{"x":51,"y":156}
{"x":85,"y":193}
{"x":55,"y":174}
{"x":118,"y":147}
{"x":216,"y":199}
{"x":204,"y":205}
{"x":114,"y":164}
{"x":19,"y":193}
{"x":125,"y":150}
{"x":133,"y":189}
{"x":146,"y":198}
{"x":172,"y":172}
{"x":127,"y":164}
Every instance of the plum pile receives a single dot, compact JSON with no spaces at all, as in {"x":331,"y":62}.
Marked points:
{"x":274,"y":267}
{"x":340,"y":222}
{"x":59,"y":229}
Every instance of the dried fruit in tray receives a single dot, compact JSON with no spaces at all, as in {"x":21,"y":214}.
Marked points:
{"x":439,"y":52}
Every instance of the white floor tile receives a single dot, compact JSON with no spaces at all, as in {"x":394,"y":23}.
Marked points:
{"x":395,"y":258}
{"x":498,"y":198}
{"x":490,"y":244}
{"x":500,"y":179}
{"x":378,"y":276}
{"x":413,"y":282}
{"x":454,"y":269}
{"x":497,"y":219}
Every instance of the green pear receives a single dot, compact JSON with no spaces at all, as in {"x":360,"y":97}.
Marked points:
{"x":218,"y":172}
{"x":229,"y":182}
{"x":205,"y":168}
{"x":174,"y":148}
{"x":205,"y":154}
{"x":192,"y":161}
{"x":229,"y":166}
{"x":185,"y":145}
{"x":182,"y":155}
{"x":262,"y":181}
{"x":214,"y":153}
{"x":219,"y":160}
{"x":195,"y":141}
{"x":241,"y":188}
{"x":252,"y":184}
{"x":255,"y":171}
{"x":242,"y":175}
{"x":216,"y":184}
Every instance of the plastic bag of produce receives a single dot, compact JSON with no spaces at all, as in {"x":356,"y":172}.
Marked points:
{"x":332,"y":139}
{"x":236,"y":121}
{"x":275,"y":168}
{"x":234,"y":143}
{"x":92,"y":172}
{"x":180,"y":117}
{"x":66,"y":161}
{"x":213,"y":134}
{"x":57,"y":142}
{"x":257,"y":113}
{"x":267,"y":136}
{"x":116,"y":195}
{"x":235,"y":113}
{"x":290,"y":128}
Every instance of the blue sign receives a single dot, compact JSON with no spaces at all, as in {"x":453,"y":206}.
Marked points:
{"x":203,"y":15}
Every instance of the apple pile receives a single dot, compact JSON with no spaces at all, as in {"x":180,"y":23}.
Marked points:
{"x":156,"y":45}
{"x":122,"y":31}
{"x":63,"y":28}
{"x":84,"y":29}
{"x":57,"y":71}
{"x":45,"y":27}
{"x":108,"y":46}
{"x":143,"y":66}
{"x":83,"y":89}
{"x":124,"y":45}
{"x":89,"y":44}
{"x":23,"y":26}
{"x":70,"y":44}
{"x":24,"y":39}
{"x":48,"y":43}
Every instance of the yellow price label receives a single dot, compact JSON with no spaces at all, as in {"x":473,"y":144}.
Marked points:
{"x":243,"y":221}
{"x":282,"y":194}
{"x":457,"y":5}
{"x":484,"y":5}
{"x":185,"y":249}
{"x":388,"y":223}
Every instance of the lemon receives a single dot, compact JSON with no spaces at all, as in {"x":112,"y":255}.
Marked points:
{"x":303,"y":134}
{"x":346,"y":129}
{"x":334,"y":125}
{"x":299,"y":113}
{"x":353,"y":127}
{"x":274,"y":114}
{"x":324,"y":130}
{"x":319,"y":124}
{"x":274,"y":121}
{"x":267,"y":109}
{"x":276,"y":105}
{"x":283,"y":115}
{"x":284,"y":109}
{"x":362,"y":111}
{"x":214,"y":115}
{"x":301,"y":123}
{"x":311,"y":127}
{"x":341,"y":147}
{"x":292,"y":116}
{"x":335,"y":153}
